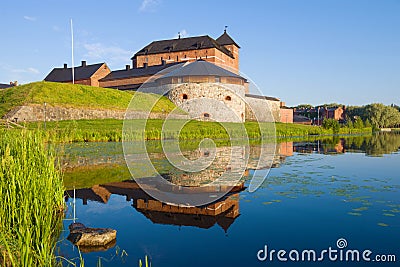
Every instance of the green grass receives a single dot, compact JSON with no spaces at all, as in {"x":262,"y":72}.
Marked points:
{"x":111,"y":130}
{"x":31,"y":197}
{"x":87,"y":176}
{"x":78,"y":96}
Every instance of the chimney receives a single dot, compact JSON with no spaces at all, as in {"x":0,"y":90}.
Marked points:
{"x":65,"y":65}
{"x":145,"y":65}
{"x":83,"y":63}
{"x":127,"y":67}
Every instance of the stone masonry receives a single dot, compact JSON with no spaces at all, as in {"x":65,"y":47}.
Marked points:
{"x":34,"y":112}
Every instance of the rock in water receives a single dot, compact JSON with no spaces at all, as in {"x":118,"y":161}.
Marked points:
{"x":84,"y":236}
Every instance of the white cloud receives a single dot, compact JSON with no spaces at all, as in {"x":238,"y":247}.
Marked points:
{"x":183,"y":34}
{"x":27,"y":70}
{"x":56,"y":28}
{"x":109,"y":54}
{"x":30,"y":18}
{"x":148,"y":5}
{"x":33,"y":70}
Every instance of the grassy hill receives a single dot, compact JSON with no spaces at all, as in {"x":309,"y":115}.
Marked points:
{"x":78,"y":96}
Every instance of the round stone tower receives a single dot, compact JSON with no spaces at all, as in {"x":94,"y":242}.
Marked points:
{"x":206,"y":91}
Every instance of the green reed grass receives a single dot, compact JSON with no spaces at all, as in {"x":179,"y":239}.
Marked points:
{"x":152,"y":129}
{"x":31,"y":197}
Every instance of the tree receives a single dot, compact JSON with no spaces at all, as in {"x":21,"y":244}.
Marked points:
{"x":367,"y":123}
{"x":349,"y":123}
{"x":359,"y":124}
{"x":382,"y":116}
{"x":332,"y":105}
{"x":331,"y":124}
{"x":307,"y":106}
{"x":355,"y":111}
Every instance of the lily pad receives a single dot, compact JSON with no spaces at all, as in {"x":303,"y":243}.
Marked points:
{"x":383,"y":224}
{"x":354,"y":213}
{"x":389,"y":214}
{"x":267,"y":203}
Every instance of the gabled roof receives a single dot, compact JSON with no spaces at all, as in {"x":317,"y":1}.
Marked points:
{"x":5,"y":85}
{"x":301,"y":118}
{"x":263,"y":97}
{"x":137,"y":72}
{"x":182,"y":44}
{"x":80,"y":73}
{"x":201,"y":68}
{"x":225,"y":39}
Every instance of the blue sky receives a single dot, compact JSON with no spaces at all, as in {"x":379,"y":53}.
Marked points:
{"x":300,"y":51}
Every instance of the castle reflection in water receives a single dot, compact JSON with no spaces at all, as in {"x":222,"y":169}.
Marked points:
{"x":222,"y":212}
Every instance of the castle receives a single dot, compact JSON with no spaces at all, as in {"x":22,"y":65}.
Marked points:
{"x":200,"y":74}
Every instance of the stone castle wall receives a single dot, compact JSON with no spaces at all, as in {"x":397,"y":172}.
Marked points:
{"x":210,"y":101}
{"x":39,"y":113}
{"x":262,"y":110}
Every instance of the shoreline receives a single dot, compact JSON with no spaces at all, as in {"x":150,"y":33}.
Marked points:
{"x":110,"y":130}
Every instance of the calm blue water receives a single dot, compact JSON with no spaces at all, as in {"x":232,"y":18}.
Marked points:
{"x":309,"y":201}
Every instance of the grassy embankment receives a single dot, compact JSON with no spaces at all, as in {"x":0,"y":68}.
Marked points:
{"x":111,"y":130}
{"x":31,"y":197}
{"x":79,"y":96}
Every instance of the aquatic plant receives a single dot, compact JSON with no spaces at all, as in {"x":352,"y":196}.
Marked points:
{"x":31,"y":197}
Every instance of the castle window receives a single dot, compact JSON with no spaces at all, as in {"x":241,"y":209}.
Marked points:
{"x":177,"y":58}
{"x":146,"y":59}
{"x":206,"y":115}
{"x":184,"y":96}
{"x":180,"y":80}
{"x":169,"y":57}
{"x":217,"y":79}
{"x":228,"y":98}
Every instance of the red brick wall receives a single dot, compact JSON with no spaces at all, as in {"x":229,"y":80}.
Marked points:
{"x":83,"y":82}
{"x":286,"y":149}
{"x":212,"y":55}
{"x":286,"y":115}
{"x":127,"y":81}
{"x":102,"y":72}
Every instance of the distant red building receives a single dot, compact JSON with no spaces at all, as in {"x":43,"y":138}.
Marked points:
{"x":318,"y":114}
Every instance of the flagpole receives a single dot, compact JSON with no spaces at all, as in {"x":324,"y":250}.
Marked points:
{"x":74,"y":207}
{"x":72,"y":53}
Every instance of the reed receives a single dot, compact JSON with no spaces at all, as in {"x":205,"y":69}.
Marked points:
{"x":31,"y":197}
{"x":111,"y":130}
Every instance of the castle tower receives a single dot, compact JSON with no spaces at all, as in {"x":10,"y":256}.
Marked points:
{"x":226,"y":41}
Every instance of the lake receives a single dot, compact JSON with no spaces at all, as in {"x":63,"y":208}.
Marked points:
{"x":334,"y":193}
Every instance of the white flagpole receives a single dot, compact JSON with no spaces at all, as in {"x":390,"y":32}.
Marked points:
{"x":72,"y":51}
{"x":74,"y":207}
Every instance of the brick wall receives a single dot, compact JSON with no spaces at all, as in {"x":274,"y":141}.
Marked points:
{"x":212,"y":55}
{"x":102,"y":72}
{"x":286,"y":115}
{"x":125,"y":81}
